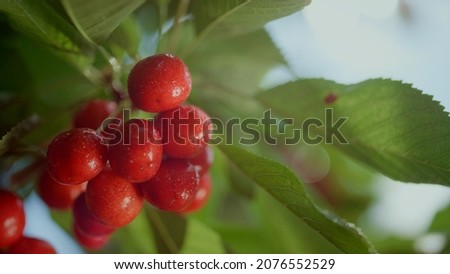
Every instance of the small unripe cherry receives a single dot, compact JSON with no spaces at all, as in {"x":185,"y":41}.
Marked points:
{"x":113,"y":199}
{"x":94,"y":242}
{"x":86,"y":222}
{"x":29,"y":245}
{"x":202,"y":195}
{"x":76,"y":156}
{"x":56,"y":195}
{"x":12,"y":218}
{"x":92,"y":113}
{"x":185,"y":131}
{"x":174,"y":185}
{"x":159,"y":83}
{"x":137,"y":156}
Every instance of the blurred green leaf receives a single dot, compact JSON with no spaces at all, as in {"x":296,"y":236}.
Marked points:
{"x":55,"y":87}
{"x":57,"y":84}
{"x":284,"y":186}
{"x":395,"y":245}
{"x":63,"y":218}
{"x":272,"y":218}
{"x":177,"y":234}
{"x":232,"y":17}
{"x":391,"y":126}
{"x":14,"y":136}
{"x":124,"y":39}
{"x":169,"y":230}
{"x":441,"y":221}
{"x":200,"y":239}
{"x":135,"y":238}
{"x":97,"y":19}
{"x":235,"y":65}
{"x":39,"y":20}
{"x":231,"y":74}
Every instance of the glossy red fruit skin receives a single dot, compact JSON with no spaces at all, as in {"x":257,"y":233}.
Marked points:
{"x":92,"y":113}
{"x":185,"y":131}
{"x":12,"y":218}
{"x":76,"y":156}
{"x":138,"y":155}
{"x":94,"y":242}
{"x":204,"y":160}
{"x":202,"y":195}
{"x":86,"y":222}
{"x":29,"y":245}
{"x":112,"y":199}
{"x":159,"y":83}
{"x":56,"y":195}
{"x":173,"y":187}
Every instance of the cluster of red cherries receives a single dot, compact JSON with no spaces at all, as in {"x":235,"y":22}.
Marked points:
{"x":105,"y":166}
{"x":12,"y":224}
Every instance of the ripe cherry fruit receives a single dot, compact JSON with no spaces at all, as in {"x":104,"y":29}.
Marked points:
{"x":86,"y":222}
{"x":138,"y":154}
{"x":113,"y":199}
{"x":56,"y":195}
{"x":202,"y":195}
{"x":159,"y":83}
{"x":174,"y":185}
{"x":12,"y":218}
{"x":93,"y":242}
{"x":76,"y":156}
{"x":204,"y":160}
{"x":185,"y":131}
{"x":92,"y":113}
{"x":29,"y":245}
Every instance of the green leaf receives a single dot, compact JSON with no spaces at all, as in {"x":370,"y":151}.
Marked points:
{"x":13,"y":137}
{"x":235,"y":68}
{"x":391,"y":126}
{"x":39,"y":20}
{"x":97,"y":19}
{"x":441,"y":221}
{"x":176,"y":234}
{"x":169,"y":230}
{"x":235,"y":65}
{"x":125,"y":39}
{"x":284,"y":186}
{"x":137,"y":237}
{"x":232,"y":17}
{"x":272,"y":218}
{"x":200,"y":239}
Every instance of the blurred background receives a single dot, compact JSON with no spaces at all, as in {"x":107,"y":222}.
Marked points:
{"x":349,"y":41}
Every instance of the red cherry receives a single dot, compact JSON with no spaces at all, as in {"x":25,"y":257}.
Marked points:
{"x":138,"y":155}
{"x":203,"y":161}
{"x":92,"y":114}
{"x":159,"y":83}
{"x":113,"y":199}
{"x":185,"y":131}
{"x":93,"y":242}
{"x":28,"y":245}
{"x":12,"y":218}
{"x":174,"y":185}
{"x":202,"y":195}
{"x":76,"y":156}
{"x":56,"y":195}
{"x":85,"y":221}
